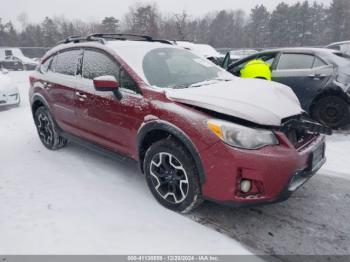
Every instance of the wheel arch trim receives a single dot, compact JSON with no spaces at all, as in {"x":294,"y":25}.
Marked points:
{"x":173,"y":130}
{"x":38,"y":97}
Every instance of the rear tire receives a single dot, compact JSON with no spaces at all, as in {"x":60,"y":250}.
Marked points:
{"x":332,"y":111}
{"x":172,"y":176}
{"x":48,"y":130}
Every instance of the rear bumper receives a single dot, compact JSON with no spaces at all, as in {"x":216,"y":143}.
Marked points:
{"x":277,"y":170}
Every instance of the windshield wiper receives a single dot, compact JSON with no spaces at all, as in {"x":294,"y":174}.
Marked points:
{"x":201,"y":83}
{"x":209,"y":82}
{"x":182,"y":86}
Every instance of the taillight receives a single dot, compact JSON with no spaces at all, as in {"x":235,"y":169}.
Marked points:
{"x":31,"y":80}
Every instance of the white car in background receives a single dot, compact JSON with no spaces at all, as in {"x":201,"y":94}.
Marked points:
{"x":202,"y":50}
{"x":9,"y":94}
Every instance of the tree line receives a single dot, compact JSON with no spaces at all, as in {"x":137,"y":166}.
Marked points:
{"x":301,"y":24}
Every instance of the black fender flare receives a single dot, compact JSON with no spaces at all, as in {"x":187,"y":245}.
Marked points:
{"x":38,"y":97}
{"x":174,"y":131}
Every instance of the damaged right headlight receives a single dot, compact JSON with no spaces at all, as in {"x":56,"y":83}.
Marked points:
{"x":241,"y":136}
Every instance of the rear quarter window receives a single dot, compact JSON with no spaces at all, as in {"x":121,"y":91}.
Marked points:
{"x":46,"y":65}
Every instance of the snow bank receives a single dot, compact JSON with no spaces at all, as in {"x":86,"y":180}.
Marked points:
{"x":338,"y":155}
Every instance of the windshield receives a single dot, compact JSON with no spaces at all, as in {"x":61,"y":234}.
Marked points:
{"x":172,"y":67}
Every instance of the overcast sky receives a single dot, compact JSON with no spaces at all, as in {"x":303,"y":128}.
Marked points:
{"x":97,"y":9}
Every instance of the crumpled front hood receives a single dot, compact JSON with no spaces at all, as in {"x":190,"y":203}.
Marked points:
{"x":259,"y":101}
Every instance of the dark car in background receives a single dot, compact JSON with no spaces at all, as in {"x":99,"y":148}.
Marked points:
{"x":319,"y":77}
{"x":14,"y":59}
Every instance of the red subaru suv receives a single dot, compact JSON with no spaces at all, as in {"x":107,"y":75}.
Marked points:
{"x":198,"y":132}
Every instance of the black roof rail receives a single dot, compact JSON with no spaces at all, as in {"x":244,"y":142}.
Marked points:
{"x":70,"y":39}
{"x":121,"y":36}
{"x":102,"y":38}
{"x":79,"y":39}
{"x":164,"y":41}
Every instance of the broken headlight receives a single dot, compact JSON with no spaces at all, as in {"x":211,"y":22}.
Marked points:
{"x":241,"y":136}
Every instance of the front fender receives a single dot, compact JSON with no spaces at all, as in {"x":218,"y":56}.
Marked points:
{"x":174,"y":131}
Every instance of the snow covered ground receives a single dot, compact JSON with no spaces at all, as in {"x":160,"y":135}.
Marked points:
{"x":338,"y":156}
{"x":74,"y":201}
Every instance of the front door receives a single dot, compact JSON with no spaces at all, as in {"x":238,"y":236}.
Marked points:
{"x":61,"y":81}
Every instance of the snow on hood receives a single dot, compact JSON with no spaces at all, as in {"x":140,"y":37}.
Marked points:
{"x":259,"y":101}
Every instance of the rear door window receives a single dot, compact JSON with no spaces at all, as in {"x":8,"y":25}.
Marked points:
{"x":319,"y":63}
{"x":295,"y":61}
{"x":67,"y":62}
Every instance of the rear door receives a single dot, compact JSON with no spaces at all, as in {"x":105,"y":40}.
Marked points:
{"x":103,"y":118}
{"x":60,"y":84}
{"x":306,"y":74}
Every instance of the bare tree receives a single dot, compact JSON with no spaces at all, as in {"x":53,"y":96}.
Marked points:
{"x":143,"y":19}
{"x":182,"y":23}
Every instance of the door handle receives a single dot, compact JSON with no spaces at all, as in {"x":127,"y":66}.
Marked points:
{"x":47,"y":85}
{"x":81,"y":95}
{"x":317,"y":76}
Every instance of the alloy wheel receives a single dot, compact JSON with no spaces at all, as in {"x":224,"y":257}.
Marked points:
{"x":45,"y":129}
{"x":169,"y":177}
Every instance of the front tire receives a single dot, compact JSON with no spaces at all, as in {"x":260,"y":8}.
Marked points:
{"x":48,"y":130}
{"x":332,"y":111}
{"x":172,"y":176}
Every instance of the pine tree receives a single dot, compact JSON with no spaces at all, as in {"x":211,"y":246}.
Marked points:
{"x":258,"y":27}
{"x":110,"y":25}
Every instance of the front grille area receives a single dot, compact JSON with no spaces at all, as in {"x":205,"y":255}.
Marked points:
{"x":301,"y":130}
{"x":299,"y":137}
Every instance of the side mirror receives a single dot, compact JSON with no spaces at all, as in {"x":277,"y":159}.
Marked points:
{"x":226,"y":61}
{"x":106,"y":83}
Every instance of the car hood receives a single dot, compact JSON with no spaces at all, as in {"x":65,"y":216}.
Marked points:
{"x":259,"y":101}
